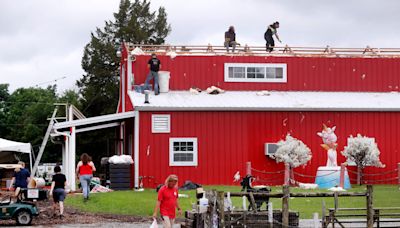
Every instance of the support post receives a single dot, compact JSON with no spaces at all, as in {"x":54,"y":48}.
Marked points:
{"x":71,"y":159}
{"x":336,"y":200}
{"x":285,"y":205}
{"x":370,"y":209}
{"x":316,"y":220}
{"x":136,"y":150}
{"x":44,"y":142}
{"x":287,"y":174}
{"x":342,"y":170}
{"x":65,"y":160}
{"x":248,"y":168}
{"x":398,"y":170}
{"x":270,"y":214}
{"x":221,"y":209}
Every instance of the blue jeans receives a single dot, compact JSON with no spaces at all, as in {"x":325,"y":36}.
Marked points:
{"x":151,"y":75}
{"x":85,"y":182}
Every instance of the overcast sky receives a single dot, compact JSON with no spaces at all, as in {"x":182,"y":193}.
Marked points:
{"x":43,"y":40}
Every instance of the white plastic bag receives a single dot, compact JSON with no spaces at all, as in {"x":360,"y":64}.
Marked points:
{"x":154,"y":224}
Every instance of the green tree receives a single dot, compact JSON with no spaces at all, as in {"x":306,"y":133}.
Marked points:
{"x":134,"y":22}
{"x":26,"y":117}
{"x":4,"y":96}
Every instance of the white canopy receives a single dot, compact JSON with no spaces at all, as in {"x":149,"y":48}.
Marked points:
{"x":11,"y":146}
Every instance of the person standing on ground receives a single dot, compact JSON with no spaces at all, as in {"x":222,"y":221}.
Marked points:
{"x":167,"y":201}
{"x":272,"y":30}
{"x":84,"y":171}
{"x":58,"y":190}
{"x":230,"y":39}
{"x":154,"y":65}
{"x":21,"y":176}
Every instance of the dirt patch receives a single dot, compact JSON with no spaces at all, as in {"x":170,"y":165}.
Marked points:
{"x":74,"y":216}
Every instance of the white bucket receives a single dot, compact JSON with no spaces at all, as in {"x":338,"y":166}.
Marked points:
{"x":163,"y":81}
{"x":37,"y":182}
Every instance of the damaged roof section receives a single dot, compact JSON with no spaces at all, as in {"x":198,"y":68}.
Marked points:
{"x":268,"y":101}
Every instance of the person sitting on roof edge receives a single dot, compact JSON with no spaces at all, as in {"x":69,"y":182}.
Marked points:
{"x":230,"y":39}
{"x":154,"y":65}
{"x":272,"y":30}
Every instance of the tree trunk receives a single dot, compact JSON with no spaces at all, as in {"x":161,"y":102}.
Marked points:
{"x":359,"y":175}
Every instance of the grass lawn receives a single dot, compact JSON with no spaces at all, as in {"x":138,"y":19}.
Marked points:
{"x":142,"y":203}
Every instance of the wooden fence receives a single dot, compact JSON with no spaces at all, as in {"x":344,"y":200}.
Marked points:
{"x":230,"y":218}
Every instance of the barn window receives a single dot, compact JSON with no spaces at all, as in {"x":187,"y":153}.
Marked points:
{"x":255,"y":72}
{"x":160,"y":123}
{"x":183,"y":151}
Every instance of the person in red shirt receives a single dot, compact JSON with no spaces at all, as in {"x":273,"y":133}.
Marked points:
{"x":168,"y":201}
{"x":84,"y":172}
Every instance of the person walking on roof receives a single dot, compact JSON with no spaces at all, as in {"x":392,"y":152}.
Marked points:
{"x":272,"y":30}
{"x":167,"y":202}
{"x":154,"y":65}
{"x":230,"y":39}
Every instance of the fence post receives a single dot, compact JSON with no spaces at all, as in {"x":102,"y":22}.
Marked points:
{"x":221,"y":209}
{"x":316,"y":220}
{"x":285,"y":205}
{"x":287,"y":174}
{"x":370,"y":209}
{"x":270,"y":214}
{"x":248,"y":168}
{"x":342,"y":169}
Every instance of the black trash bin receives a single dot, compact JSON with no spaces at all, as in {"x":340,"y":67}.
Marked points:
{"x":120,"y":176}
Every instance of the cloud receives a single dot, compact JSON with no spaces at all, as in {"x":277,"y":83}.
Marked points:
{"x":41,"y":40}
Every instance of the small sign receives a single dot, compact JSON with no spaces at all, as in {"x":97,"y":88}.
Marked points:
{"x":33,"y":193}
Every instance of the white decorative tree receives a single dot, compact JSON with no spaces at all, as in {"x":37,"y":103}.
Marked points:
{"x":364,"y":152}
{"x":293,"y":152}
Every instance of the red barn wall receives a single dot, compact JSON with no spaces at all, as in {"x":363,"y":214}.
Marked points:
{"x":303,"y":73}
{"x":227,"y":140}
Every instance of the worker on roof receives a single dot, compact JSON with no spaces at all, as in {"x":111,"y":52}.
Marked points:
{"x":154,"y":65}
{"x":230,"y":39}
{"x":272,"y":30}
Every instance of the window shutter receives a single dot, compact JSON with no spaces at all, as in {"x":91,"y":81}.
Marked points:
{"x":161,"y":123}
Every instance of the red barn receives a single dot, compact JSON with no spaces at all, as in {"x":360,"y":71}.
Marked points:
{"x":208,"y":138}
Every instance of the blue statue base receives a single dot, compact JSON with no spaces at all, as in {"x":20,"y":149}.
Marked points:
{"x":328,"y":177}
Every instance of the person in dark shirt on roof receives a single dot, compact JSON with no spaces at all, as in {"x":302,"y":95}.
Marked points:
{"x":154,"y":65}
{"x":272,"y":30}
{"x":58,"y":190}
{"x":230,"y":39}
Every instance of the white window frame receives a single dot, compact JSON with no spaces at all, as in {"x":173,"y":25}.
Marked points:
{"x":263,"y":65}
{"x":153,"y":130}
{"x":172,"y":152}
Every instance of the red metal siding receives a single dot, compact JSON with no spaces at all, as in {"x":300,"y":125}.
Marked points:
{"x":227,"y":140}
{"x":304,"y":73}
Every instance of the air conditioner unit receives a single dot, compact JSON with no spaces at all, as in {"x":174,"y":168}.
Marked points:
{"x":270,"y":149}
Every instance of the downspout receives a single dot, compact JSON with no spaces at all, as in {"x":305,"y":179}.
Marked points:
{"x":136,"y":150}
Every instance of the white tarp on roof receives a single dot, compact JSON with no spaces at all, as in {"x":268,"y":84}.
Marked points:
{"x":275,"y":101}
{"x":11,"y":146}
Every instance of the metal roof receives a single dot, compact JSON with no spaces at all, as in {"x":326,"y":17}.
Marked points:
{"x":274,"y":101}
{"x":94,"y":120}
